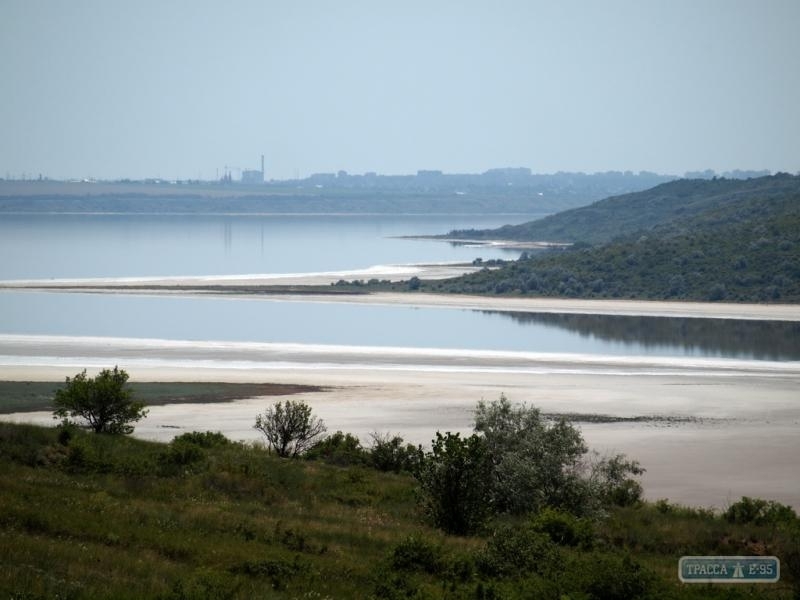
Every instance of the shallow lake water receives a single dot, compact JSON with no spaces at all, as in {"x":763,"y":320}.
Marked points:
{"x":73,"y":246}
{"x":67,"y":246}
{"x":264,"y":320}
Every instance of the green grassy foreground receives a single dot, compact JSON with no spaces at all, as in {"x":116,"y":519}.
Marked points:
{"x":96,"y":516}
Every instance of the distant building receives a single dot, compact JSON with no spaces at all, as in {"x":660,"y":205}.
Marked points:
{"x":253,"y":176}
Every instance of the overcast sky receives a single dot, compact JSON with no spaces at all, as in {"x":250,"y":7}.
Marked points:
{"x":179,"y":89}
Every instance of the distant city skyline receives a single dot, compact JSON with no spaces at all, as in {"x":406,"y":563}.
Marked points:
{"x":185,"y":89}
{"x":251,"y":177}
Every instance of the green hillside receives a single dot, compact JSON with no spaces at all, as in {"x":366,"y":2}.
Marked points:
{"x":627,"y":214}
{"x":98,"y":516}
{"x":687,"y":240}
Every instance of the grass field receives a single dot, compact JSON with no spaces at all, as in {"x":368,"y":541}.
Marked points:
{"x":95,"y":516}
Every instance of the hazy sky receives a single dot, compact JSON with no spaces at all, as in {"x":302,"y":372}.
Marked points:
{"x":178,"y":89}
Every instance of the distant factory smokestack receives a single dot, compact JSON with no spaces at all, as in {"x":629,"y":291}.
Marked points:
{"x":254,"y":176}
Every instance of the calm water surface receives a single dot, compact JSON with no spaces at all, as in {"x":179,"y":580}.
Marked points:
{"x":64,"y":246}
{"x":261,"y":320}
{"x":67,"y":246}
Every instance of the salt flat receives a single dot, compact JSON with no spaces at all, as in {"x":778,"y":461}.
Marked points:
{"x":743,"y":441}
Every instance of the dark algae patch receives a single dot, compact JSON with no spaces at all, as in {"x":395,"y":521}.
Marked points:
{"x":24,"y":396}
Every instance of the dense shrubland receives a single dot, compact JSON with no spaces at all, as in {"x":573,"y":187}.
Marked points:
{"x":719,"y":240}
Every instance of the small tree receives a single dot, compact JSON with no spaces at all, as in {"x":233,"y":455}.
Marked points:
{"x":455,"y":483}
{"x":535,"y":464}
{"x":290,"y":428}
{"x":103,"y":401}
{"x":612,"y":483}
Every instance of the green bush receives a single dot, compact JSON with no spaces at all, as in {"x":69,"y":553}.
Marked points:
{"x":339,"y":449}
{"x":390,"y":454}
{"x":564,"y":528}
{"x":417,"y":554}
{"x":612,"y":481}
{"x":515,"y":551}
{"x":204,"y":439}
{"x":759,"y":512}
{"x":180,"y":453}
{"x":613,"y":577}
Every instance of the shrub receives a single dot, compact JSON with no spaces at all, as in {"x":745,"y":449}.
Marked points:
{"x":416,"y":554}
{"x":614,"y":577}
{"x":563,"y":528}
{"x":759,"y":512}
{"x":290,"y":428}
{"x":205,"y":439}
{"x":455,"y":483}
{"x":612,"y":482}
{"x":517,"y":550}
{"x":180,"y":453}
{"x":389,"y":454}
{"x":338,"y":449}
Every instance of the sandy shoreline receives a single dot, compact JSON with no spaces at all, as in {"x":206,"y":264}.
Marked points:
{"x":744,"y":443}
{"x":259,"y":286}
{"x":645,"y":308}
{"x":193,"y":283}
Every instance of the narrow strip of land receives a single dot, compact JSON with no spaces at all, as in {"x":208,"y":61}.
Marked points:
{"x":318,"y":288}
{"x":649,"y":308}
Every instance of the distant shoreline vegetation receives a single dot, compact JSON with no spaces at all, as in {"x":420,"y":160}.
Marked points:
{"x":717,"y":240}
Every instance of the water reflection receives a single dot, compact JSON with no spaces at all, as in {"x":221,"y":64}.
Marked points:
{"x":761,"y":340}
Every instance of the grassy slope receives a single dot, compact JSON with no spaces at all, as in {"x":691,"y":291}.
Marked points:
{"x":105,"y":517}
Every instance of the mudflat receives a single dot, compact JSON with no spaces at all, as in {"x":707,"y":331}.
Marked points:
{"x":735,"y":428}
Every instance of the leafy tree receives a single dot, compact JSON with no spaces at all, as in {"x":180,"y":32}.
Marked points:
{"x":535,"y":463}
{"x":103,"y":401}
{"x":455,"y":483}
{"x":612,"y":483}
{"x":290,"y":428}
{"x":519,"y":462}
